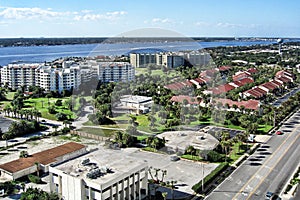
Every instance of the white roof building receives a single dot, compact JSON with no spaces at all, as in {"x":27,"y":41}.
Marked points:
{"x":100,"y":175}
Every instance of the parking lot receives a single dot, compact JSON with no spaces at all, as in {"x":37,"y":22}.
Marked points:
{"x":185,"y":172}
{"x":213,"y":130}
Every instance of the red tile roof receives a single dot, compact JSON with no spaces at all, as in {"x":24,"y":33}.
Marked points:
{"x":284,"y":79}
{"x":43,"y":157}
{"x":238,"y":83}
{"x":269,"y":85}
{"x":283,"y":73}
{"x":224,"y":68}
{"x":245,"y":81}
{"x":250,"y":104}
{"x":222,"y":89}
{"x":241,"y":75}
{"x":200,"y":80}
{"x":256,"y":92}
{"x":276,"y":83}
{"x":208,"y":72}
{"x":252,"y":70}
{"x":179,"y":85}
{"x":180,"y":98}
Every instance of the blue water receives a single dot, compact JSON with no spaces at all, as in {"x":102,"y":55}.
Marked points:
{"x":49,"y":53}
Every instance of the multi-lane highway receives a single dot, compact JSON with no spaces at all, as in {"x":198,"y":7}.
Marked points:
{"x":268,"y":169}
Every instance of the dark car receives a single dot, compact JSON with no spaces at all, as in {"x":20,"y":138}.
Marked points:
{"x":174,"y":158}
{"x":269,"y":195}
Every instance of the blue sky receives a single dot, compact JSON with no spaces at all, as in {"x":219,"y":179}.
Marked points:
{"x":97,"y":18}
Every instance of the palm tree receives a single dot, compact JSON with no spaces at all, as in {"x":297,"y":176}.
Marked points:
{"x":163,"y":174}
{"x":156,"y":174}
{"x":37,"y":164}
{"x":173,"y":187}
{"x":225,"y":145}
{"x":5,"y":137}
{"x":149,"y":170}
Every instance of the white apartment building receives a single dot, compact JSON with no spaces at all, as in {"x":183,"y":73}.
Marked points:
{"x":100,"y":175}
{"x":197,"y":58}
{"x":58,"y":79}
{"x":142,"y":59}
{"x":47,"y":77}
{"x":169,"y":59}
{"x":18,"y":75}
{"x":115,"y":72}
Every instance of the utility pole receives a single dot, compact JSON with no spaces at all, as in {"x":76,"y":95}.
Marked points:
{"x":202,"y":177}
{"x":274,"y":119}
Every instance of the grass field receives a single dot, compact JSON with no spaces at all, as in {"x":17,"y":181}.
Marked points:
{"x":157,"y":72}
{"x":98,"y":131}
{"x":42,"y":105}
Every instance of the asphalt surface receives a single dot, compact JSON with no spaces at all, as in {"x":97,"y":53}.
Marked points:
{"x":268,"y":169}
{"x":279,"y":101}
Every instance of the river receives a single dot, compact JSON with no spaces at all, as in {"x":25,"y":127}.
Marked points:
{"x":49,"y":53}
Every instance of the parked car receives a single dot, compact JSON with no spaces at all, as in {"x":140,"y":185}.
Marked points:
{"x":174,"y":158}
{"x":269,"y":195}
{"x":279,"y":132}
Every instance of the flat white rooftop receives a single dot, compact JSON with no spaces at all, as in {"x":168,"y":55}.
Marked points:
{"x":120,"y":165}
{"x":135,"y":99}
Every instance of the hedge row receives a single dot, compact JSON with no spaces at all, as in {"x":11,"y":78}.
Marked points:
{"x":210,"y":177}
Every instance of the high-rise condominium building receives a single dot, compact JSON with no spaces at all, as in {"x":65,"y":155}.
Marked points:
{"x":169,"y":59}
{"x":58,"y":79}
{"x":18,"y":75}
{"x":115,"y":72}
{"x":47,"y":77}
{"x":142,"y":59}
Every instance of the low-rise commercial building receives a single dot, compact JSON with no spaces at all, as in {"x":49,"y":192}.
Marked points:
{"x":100,"y":175}
{"x":40,"y":161}
{"x":135,"y":104}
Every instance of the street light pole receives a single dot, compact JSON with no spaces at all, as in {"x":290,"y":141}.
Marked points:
{"x":202,"y":177}
{"x":274,"y":118}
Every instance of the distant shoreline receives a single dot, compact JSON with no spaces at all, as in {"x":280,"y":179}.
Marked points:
{"x":17,"y":42}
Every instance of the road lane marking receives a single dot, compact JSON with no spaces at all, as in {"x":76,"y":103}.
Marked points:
{"x":271,"y":156}
{"x":270,"y":170}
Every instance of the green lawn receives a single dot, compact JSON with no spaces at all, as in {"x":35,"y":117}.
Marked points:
{"x":142,"y":120}
{"x":98,"y":131}
{"x":190,"y":157}
{"x":264,"y":128}
{"x":157,"y":72}
{"x":42,"y":105}
{"x":10,"y":95}
{"x":237,"y":152}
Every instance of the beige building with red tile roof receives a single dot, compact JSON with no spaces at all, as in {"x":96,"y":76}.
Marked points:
{"x":25,"y":166}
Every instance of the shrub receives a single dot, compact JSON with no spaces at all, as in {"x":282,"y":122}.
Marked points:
{"x":34,"y":179}
{"x":58,"y":102}
{"x":52,"y":110}
{"x":214,"y":156}
{"x":209,"y":178}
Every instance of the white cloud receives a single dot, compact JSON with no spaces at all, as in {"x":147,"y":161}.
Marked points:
{"x":200,"y":23}
{"x":107,"y":16}
{"x":28,"y":13}
{"x":163,"y":21}
{"x":231,"y":25}
{"x":46,"y":14}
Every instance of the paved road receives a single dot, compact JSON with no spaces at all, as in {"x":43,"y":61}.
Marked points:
{"x":268,"y":169}
{"x":279,"y":101}
{"x":48,"y":122}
